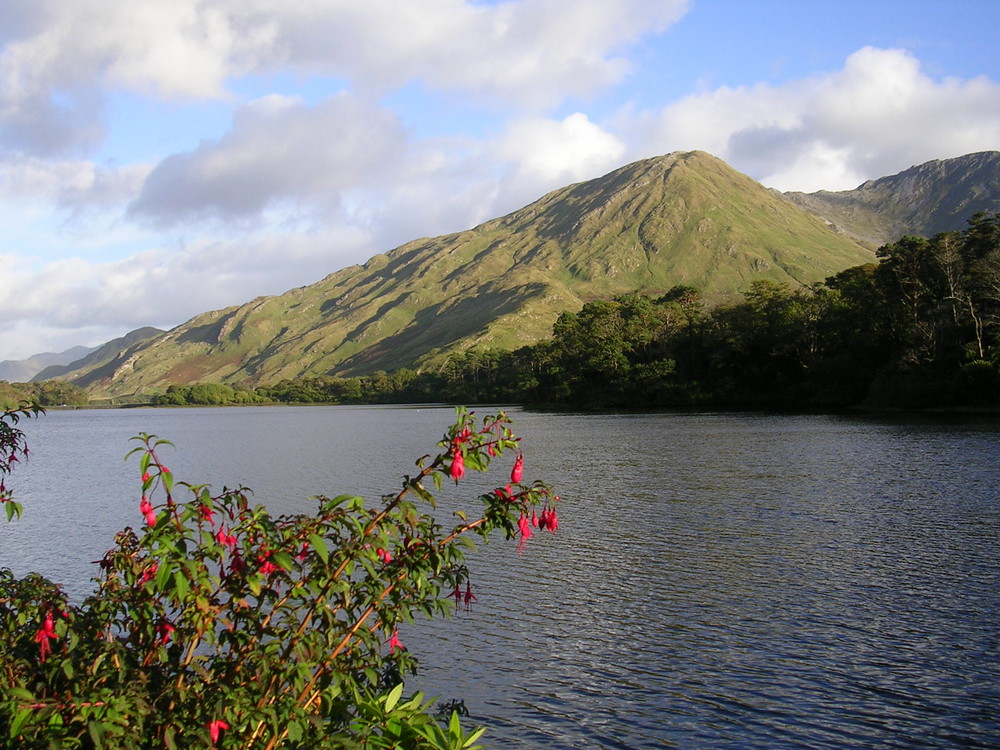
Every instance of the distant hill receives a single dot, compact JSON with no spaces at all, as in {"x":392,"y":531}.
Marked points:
{"x":23,"y":370}
{"x":935,"y":197}
{"x":684,"y":218}
{"x":94,"y":360}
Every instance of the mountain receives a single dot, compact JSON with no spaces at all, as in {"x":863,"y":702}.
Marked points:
{"x":23,"y":370}
{"x":95,"y":361}
{"x":938,"y":196}
{"x":683,"y":218}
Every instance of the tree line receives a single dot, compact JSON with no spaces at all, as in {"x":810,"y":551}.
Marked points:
{"x":43,"y":393}
{"x":917,"y":328}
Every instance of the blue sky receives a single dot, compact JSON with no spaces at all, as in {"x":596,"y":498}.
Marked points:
{"x":162,"y":158}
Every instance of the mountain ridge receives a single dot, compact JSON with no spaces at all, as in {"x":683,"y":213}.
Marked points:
{"x":683,"y":218}
{"x":23,"y":370}
{"x":880,"y":211}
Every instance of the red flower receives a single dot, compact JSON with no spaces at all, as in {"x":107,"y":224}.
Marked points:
{"x":47,"y":631}
{"x":457,"y":593}
{"x":395,"y":643}
{"x":146,"y":508}
{"x":469,"y":596}
{"x":553,"y":521}
{"x":208,"y":514}
{"x":148,"y":573}
{"x":223,"y":537}
{"x":457,"y":470}
{"x":165,"y":629}
{"x":385,"y":555}
{"x":238,"y":565}
{"x":525,"y":527}
{"x":549,"y":521}
{"x":268,"y":568}
{"x":518,"y":471}
{"x":215,"y":727}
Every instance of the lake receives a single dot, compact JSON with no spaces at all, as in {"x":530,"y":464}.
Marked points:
{"x":718,"y":580}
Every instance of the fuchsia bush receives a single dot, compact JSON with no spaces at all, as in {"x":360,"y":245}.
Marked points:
{"x":218,"y":625}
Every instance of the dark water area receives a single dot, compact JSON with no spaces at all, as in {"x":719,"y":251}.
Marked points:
{"x":718,"y":580}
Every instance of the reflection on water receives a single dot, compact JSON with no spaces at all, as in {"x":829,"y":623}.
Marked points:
{"x":718,"y":581}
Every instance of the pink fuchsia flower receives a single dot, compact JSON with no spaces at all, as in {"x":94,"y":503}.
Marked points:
{"x":457,"y":594}
{"x":267,"y":567}
{"x":148,"y":573}
{"x":549,"y":521}
{"x":215,"y":728}
{"x":224,"y":537}
{"x":457,"y":470}
{"x":518,"y":471}
{"x":146,"y":508}
{"x":238,"y":565}
{"x":208,"y":514}
{"x":395,"y":643}
{"x":145,"y":477}
{"x":469,"y":596}
{"x":165,"y":628}
{"x":524,"y":525}
{"x":384,"y":554}
{"x":47,"y":631}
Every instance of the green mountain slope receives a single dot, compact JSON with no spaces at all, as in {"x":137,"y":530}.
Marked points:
{"x":938,"y":196}
{"x":684,"y":218}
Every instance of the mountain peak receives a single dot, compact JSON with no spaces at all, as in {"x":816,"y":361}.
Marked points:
{"x":937,"y":196}
{"x":680,"y":218}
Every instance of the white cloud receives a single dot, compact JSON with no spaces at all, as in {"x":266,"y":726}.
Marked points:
{"x":54,"y":306}
{"x":74,"y":184}
{"x":544,"y":154}
{"x":278,"y":152}
{"x":532,"y":52}
{"x":879,"y":115}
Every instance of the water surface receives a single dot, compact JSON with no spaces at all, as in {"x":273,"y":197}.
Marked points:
{"x":718,"y":581}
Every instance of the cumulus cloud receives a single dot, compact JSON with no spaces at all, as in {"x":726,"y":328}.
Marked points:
{"x":278,"y":151}
{"x":534,"y":52}
{"x":543,"y":154}
{"x":55,"y":306}
{"x":75,"y":184}
{"x":879,"y":115}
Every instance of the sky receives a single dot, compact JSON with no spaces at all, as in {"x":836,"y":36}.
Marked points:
{"x":163,"y":158}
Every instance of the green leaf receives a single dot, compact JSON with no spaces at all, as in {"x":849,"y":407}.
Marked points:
{"x":96,"y":731}
{"x":392,"y":698}
{"x":22,"y":716}
{"x":283,"y":560}
{"x":181,"y":585}
{"x":319,"y":544}
{"x":473,"y":736}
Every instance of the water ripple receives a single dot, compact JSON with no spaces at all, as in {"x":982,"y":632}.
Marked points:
{"x":719,"y":581}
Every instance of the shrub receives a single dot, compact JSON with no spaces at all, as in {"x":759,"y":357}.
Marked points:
{"x":218,"y":625}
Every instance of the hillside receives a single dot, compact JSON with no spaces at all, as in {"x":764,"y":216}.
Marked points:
{"x":927,"y":199}
{"x":23,"y":370}
{"x":684,"y":218}
{"x":95,"y":359}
